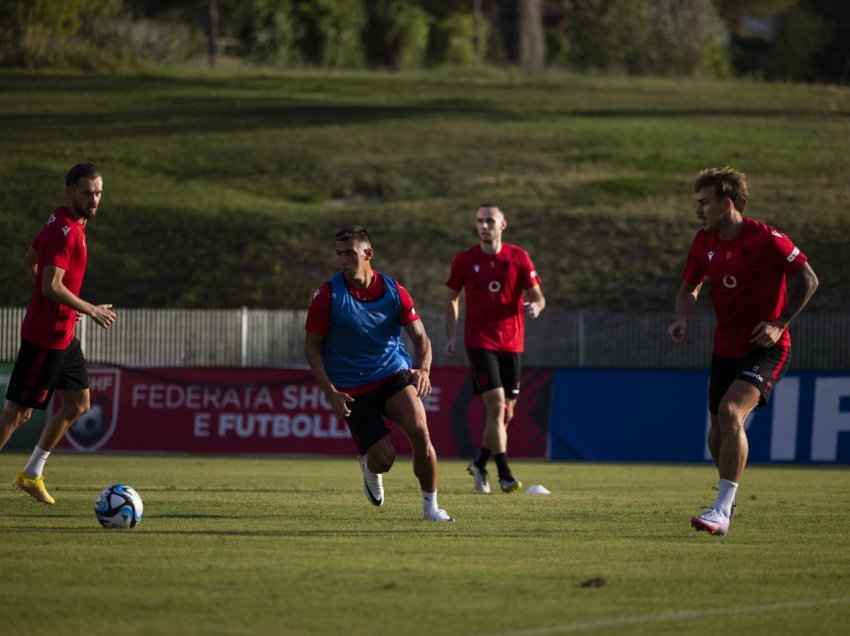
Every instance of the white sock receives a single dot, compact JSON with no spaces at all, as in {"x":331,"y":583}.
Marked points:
{"x":35,"y":466}
{"x":429,"y":500}
{"x":725,"y":496}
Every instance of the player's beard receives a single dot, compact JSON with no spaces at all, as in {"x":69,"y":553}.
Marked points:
{"x":85,"y":212}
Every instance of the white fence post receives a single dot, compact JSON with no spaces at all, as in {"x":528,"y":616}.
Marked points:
{"x":244,"y":336}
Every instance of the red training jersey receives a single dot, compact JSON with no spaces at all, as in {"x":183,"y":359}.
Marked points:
{"x":494,"y":284}
{"x":62,"y":242}
{"x":319,"y":314}
{"x":747,"y":277}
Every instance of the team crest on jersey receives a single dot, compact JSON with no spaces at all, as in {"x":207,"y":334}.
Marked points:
{"x":94,"y":429}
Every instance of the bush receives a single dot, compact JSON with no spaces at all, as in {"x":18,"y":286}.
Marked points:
{"x":268,"y":33}
{"x":396,"y":34}
{"x":645,"y":37}
{"x":451,"y":41}
{"x":35,"y":33}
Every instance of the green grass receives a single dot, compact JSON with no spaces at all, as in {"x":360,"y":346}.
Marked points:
{"x":290,"y":546}
{"x":224,"y":188}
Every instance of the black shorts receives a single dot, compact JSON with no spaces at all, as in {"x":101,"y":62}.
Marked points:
{"x":762,"y":368}
{"x":366,"y":421}
{"x":493,"y":369}
{"x":40,"y":370}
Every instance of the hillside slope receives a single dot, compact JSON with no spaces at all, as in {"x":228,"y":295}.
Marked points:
{"x":225,"y":188}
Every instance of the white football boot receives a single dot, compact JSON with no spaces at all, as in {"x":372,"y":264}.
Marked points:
{"x":373,"y":483}
{"x":712,"y":521}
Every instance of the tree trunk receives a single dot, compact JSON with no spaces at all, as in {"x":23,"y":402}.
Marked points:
{"x":522,"y":28}
{"x":212,"y":35}
{"x":478,"y":36}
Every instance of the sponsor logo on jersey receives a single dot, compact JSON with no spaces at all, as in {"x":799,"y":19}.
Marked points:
{"x":730,"y":281}
{"x":494,"y":286}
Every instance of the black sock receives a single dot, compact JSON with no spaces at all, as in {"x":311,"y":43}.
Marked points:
{"x":502,"y":464}
{"x":483,"y":457}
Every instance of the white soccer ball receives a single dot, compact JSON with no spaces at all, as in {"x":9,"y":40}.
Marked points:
{"x":118,"y":506}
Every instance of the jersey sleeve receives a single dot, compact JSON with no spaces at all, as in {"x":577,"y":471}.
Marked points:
{"x":319,"y":314}
{"x":791,"y":259}
{"x":694,"y":273}
{"x":56,"y":247}
{"x":530,"y":277}
{"x":408,"y":314}
{"x":455,"y":280}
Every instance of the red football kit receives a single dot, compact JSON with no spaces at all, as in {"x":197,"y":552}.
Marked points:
{"x":62,"y":242}
{"x":747,"y":277}
{"x":494,"y":284}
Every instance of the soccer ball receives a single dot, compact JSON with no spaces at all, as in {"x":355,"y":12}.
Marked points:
{"x":118,"y":506}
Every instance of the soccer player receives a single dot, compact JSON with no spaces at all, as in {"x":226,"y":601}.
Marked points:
{"x":759,"y":282}
{"x":50,"y":357}
{"x":496,"y":277}
{"x":354,"y":348}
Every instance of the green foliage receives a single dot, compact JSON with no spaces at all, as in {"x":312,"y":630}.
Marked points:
{"x":396,"y":34}
{"x":329,"y":32}
{"x":268,"y":33}
{"x":645,"y":37}
{"x":452,"y":41}
{"x":40,"y":32}
{"x":246,"y":546}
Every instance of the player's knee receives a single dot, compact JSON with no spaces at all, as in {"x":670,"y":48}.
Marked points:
{"x":420,"y":441}
{"x":76,"y":410}
{"x":381,"y":464}
{"x":381,"y":457}
{"x":731,"y":416}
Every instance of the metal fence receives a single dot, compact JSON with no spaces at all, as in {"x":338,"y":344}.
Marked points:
{"x":275,"y":337}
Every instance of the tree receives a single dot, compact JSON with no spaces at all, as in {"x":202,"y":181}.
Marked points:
{"x":522,"y":28}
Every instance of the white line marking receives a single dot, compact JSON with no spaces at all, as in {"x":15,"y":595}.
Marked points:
{"x":672,"y":616}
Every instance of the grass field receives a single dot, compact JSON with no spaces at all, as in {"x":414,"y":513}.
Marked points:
{"x":224,"y":188}
{"x":290,"y":546}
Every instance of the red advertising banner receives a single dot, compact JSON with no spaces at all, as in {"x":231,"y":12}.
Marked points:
{"x":271,"y":411}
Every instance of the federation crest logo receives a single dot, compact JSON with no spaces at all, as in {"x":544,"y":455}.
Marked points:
{"x":94,"y":429}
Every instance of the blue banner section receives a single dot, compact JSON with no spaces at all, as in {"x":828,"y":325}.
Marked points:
{"x":662,"y":416}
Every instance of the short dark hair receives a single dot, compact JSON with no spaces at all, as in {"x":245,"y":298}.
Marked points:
{"x":82,"y":171}
{"x":356,"y":232}
{"x":727,"y":182}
